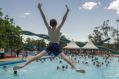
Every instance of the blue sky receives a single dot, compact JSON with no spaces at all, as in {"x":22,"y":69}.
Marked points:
{"x":84,"y":15}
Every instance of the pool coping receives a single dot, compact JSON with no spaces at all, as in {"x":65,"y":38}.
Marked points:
{"x":19,"y":60}
{"x":11,"y":62}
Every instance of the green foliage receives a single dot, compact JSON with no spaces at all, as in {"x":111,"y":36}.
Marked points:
{"x":10,"y":34}
{"x":1,"y":13}
{"x":31,"y":43}
{"x":103,"y":32}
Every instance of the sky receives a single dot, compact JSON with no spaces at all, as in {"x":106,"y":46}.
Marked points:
{"x":84,"y":15}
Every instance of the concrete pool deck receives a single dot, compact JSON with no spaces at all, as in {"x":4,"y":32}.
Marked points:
{"x":13,"y":59}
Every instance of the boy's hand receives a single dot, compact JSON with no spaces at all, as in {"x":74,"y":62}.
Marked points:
{"x":39,"y":5}
{"x":67,"y":7}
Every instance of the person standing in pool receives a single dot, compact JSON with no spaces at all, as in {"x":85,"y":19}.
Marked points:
{"x":54,"y":38}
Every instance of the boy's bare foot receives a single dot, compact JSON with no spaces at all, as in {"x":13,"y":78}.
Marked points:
{"x":17,"y":67}
{"x":81,"y":71}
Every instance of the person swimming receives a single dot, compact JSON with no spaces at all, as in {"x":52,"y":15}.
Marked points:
{"x":15,"y":71}
{"x":5,"y":67}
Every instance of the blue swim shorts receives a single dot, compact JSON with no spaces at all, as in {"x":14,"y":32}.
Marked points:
{"x":53,"y":48}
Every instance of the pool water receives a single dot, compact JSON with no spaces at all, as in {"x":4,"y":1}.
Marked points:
{"x":48,"y":70}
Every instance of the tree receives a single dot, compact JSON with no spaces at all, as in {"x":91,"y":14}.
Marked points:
{"x":31,"y":43}
{"x":10,"y":34}
{"x":103,"y":32}
{"x":1,"y":13}
{"x":97,"y":36}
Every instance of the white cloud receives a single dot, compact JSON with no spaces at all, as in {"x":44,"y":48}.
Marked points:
{"x":114,"y":6}
{"x":89,"y":5}
{"x":27,"y":13}
{"x":24,"y":15}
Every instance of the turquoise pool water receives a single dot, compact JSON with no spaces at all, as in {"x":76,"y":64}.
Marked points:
{"x":48,"y":70}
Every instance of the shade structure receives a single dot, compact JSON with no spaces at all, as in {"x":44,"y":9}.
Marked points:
{"x":72,"y":45}
{"x":89,"y":45}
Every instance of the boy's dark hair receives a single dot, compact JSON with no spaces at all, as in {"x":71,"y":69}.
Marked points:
{"x":53,"y":23}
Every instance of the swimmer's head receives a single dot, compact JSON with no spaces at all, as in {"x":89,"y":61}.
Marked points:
{"x":53,"y":23}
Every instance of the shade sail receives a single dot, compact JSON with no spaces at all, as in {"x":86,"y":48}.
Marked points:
{"x":89,"y":45}
{"x":72,"y":45}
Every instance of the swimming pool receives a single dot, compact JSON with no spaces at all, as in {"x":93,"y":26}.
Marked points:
{"x":48,"y":70}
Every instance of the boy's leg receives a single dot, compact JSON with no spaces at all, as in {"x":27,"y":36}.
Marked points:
{"x":36,"y":57}
{"x":68,"y":60}
{"x":30,"y":60}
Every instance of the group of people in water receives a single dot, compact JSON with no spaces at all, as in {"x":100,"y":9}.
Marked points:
{"x":82,"y":59}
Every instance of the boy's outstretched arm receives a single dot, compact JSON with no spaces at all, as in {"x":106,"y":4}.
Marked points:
{"x":64,"y":17}
{"x":43,"y":15}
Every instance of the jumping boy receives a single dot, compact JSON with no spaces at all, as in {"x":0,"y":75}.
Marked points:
{"x":54,"y":38}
